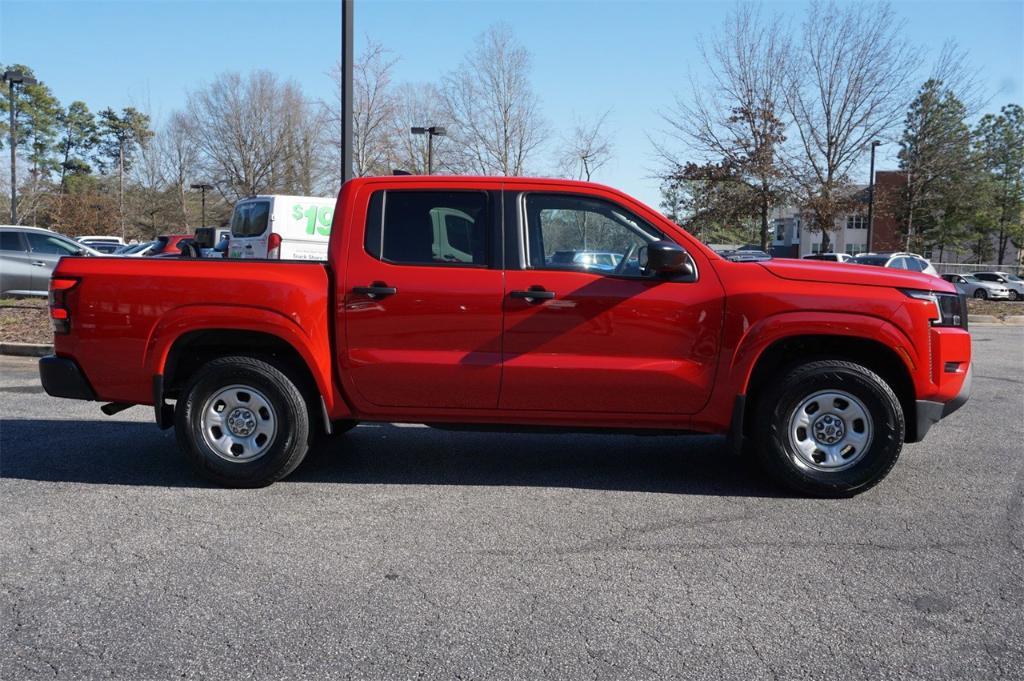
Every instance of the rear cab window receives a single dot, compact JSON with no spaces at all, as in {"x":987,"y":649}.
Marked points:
{"x":250,"y":219}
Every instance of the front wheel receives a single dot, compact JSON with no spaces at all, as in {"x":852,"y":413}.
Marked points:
{"x":1014,"y":295}
{"x":242,"y":422}
{"x":981,"y":294}
{"x":829,"y":428}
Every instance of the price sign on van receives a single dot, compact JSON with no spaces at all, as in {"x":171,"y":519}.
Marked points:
{"x":317,"y":219}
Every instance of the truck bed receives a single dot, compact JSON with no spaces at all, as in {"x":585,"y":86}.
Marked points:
{"x":125,"y":311}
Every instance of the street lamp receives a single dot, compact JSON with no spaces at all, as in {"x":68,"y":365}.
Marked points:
{"x":15,"y":78}
{"x":871,"y":195}
{"x":430,"y":133}
{"x":203,"y":187}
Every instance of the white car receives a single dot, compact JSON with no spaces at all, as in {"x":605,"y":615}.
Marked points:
{"x":102,"y":239}
{"x":973,"y":287}
{"x":900,"y":261}
{"x":829,"y":257}
{"x":279,"y":227}
{"x":1013,"y":283}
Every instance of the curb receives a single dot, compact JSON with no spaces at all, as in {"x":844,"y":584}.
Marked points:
{"x":26,"y":349}
{"x":1016,"y":320}
{"x":982,"y":319}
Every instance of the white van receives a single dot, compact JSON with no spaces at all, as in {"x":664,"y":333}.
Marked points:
{"x":281,"y":227}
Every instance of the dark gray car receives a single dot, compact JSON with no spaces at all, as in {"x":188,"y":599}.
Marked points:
{"x":28,"y":256}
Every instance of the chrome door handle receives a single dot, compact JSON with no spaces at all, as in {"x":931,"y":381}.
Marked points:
{"x":39,"y":263}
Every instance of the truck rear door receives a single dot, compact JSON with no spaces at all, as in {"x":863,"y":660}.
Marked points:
{"x":423,"y":321}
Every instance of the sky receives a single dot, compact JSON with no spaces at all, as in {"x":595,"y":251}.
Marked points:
{"x":629,"y":58}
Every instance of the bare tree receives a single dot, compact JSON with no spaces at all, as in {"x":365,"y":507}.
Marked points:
{"x":848,"y":85}
{"x":586,"y":149}
{"x":421,"y":105}
{"x":494,"y":116}
{"x":179,"y":158}
{"x":733,"y":122}
{"x":303,"y":167}
{"x":238,"y":127}
{"x":374,"y":107}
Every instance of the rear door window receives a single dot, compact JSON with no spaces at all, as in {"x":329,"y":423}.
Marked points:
{"x":250,"y":219}
{"x":11,"y":241}
{"x":428,"y":227}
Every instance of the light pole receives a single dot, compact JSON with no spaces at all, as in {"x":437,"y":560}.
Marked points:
{"x":347,"y":61}
{"x":430,"y":133}
{"x":15,"y":78}
{"x":871,"y":195}
{"x":201,"y":186}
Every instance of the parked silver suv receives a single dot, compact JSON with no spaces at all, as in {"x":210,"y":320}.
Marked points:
{"x":28,"y":256}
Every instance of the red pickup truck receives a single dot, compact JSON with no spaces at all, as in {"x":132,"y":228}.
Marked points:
{"x":511,"y":303}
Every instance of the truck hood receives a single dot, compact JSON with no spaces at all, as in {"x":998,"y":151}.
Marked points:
{"x":864,"y":275}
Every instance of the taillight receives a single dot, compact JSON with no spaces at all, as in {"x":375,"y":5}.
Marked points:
{"x":60,"y":315}
{"x":274,"y":246}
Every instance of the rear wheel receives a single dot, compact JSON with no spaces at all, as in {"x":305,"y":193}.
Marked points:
{"x":829,"y":428}
{"x":981,"y":294}
{"x":243,"y":422}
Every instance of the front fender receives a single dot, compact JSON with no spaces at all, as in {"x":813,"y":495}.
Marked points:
{"x":768,"y":331}
{"x":741,"y":352}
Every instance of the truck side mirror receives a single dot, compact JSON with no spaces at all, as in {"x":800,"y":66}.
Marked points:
{"x":667,"y":258}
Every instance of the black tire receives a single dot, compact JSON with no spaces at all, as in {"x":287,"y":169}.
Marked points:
{"x":981,"y":294}
{"x":292,"y":433}
{"x":775,"y":448}
{"x":1014,"y":295}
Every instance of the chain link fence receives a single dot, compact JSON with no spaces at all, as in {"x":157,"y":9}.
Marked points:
{"x":968,"y":267}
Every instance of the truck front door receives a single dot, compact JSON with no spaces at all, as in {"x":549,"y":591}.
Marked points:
{"x":585,"y":333}
{"x":422,"y":321}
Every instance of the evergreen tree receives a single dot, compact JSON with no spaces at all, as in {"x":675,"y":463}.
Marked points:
{"x":1000,"y":144}
{"x":935,"y":152}
{"x":120,"y":138}
{"x":80,"y":135}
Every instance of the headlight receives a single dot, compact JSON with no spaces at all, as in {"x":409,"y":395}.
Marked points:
{"x":950,"y":308}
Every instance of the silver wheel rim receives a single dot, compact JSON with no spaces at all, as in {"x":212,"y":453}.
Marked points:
{"x":830,"y":431}
{"x":238,"y":423}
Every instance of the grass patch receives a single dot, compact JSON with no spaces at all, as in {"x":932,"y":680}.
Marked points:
{"x":24,"y":320}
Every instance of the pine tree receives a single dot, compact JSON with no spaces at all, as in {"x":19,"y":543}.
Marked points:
{"x":1000,"y":144}
{"x":935,"y":152}
{"x":121,"y":134}
{"x":80,"y":136}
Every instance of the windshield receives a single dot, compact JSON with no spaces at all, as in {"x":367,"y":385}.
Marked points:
{"x":876,"y":260}
{"x":1013,"y":277}
{"x":973,"y":280}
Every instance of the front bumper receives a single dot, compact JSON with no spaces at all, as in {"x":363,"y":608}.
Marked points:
{"x":929,"y":413}
{"x":62,"y":377}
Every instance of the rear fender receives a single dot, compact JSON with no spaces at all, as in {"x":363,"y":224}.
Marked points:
{"x":312,"y":345}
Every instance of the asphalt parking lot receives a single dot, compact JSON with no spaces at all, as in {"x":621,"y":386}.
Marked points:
{"x":412,"y":553}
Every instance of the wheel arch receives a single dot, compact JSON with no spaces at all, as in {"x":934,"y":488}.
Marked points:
{"x":797,"y":349}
